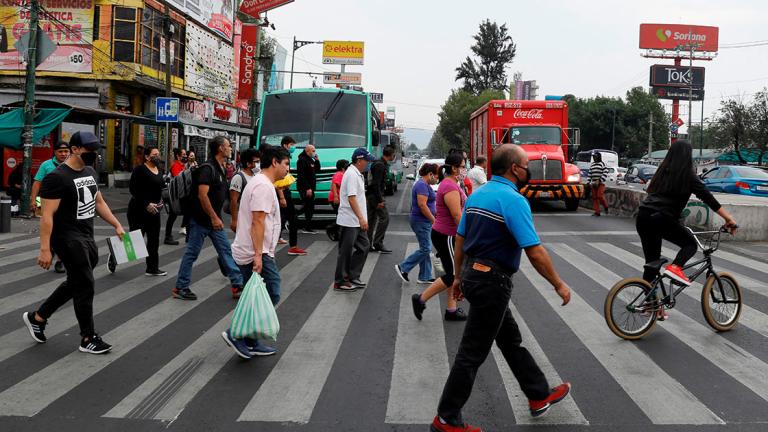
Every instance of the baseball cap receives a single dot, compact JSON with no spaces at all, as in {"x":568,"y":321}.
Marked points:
{"x":85,"y":140}
{"x":61,"y":145}
{"x":361,"y":153}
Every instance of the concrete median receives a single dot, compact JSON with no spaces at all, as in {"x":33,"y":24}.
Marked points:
{"x":750,"y":212}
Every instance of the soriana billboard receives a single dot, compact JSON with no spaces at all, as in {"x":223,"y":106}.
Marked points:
{"x":682,"y":36}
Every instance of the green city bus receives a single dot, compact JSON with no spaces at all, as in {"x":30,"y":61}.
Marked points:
{"x":335,"y":121}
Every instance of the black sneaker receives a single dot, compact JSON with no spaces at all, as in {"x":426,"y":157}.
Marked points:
{"x":35,"y":327}
{"x":383,"y":250}
{"x":184,"y":294}
{"x":357,"y":283}
{"x":457,"y":315}
{"x":157,"y":272}
{"x":426,"y":281}
{"x":403,"y":275}
{"x":59,"y":267}
{"x":344,"y":287}
{"x":171,"y":242}
{"x":111,"y":263}
{"x":94,"y":345}
{"x":418,"y":306}
{"x":308,"y":231}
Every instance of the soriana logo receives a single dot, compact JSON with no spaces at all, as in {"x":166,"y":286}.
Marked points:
{"x":678,"y":36}
{"x":531,"y":114}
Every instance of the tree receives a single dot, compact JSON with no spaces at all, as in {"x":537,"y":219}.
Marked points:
{"x":758,"y":112}
{"x":494,"y":50}
{"x":735,"y":118}
{"x":453,"y":128}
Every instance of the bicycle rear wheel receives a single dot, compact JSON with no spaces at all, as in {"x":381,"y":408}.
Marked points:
{"x":721,"y":303}
{"x":627,"y":313}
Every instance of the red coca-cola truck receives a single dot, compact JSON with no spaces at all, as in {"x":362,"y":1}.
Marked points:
{"x":541,"y":128}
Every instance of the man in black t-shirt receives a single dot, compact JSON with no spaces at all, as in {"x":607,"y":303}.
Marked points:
{"x":209,"y":190}
{"x":70,"y":199}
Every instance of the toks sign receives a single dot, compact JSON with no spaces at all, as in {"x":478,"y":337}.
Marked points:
{"x":678,"y":36}
{"x":677,"y":76}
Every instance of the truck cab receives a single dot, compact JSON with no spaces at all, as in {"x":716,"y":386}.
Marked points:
{"x":541,"y":129}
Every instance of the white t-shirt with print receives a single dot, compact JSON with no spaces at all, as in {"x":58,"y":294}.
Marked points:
{"x":352,"y":184}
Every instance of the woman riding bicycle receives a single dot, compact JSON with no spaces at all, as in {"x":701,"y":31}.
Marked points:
{"x":659,"y":216}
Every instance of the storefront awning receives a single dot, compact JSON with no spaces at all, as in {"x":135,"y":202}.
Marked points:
{"x":210,"y":130}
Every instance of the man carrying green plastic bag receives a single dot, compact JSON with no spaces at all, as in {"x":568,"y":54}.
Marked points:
{"x":258,"y":230}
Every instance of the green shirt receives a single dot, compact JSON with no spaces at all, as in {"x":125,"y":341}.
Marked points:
{"x":46,"y":169}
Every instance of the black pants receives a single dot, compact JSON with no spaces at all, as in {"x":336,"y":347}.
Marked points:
{"x":308,"y":208}
{"x":149,"y":225}
{"x":378,"y":221}
{"x":489,"y":320}
{"x":79,"y":256}
{"x":444,"y":246}
{"x":288,"y":216}
{"x":353,"y":250}
{"x":654,"y":226}
{"x":172,"y":220}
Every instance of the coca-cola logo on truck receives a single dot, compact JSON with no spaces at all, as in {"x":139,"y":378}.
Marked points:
{"x":531,"y":114}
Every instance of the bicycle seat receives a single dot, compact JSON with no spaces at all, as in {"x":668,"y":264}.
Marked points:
{"x":656,"y":265}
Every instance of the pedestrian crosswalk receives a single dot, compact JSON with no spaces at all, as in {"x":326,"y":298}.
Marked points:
{"x":682,"y":374}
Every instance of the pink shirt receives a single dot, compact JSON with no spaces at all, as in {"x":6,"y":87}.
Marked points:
{"x":444,"y":223}
{"x":258,"y":196}
{"x":336,"y":180}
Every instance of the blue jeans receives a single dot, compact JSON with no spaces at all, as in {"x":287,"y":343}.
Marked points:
{"x":269,"y":272}
{"x":420,"y":257}
{"x":196,"y":235}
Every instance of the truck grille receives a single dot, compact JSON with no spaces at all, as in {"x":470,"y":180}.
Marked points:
{"x":554,"y":170}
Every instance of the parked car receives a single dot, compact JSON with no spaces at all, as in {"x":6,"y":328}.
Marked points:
{"x":742,"y":180}
{"x":640,"y":173}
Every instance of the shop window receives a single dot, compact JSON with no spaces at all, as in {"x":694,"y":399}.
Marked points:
{"x":124,"y":34}
{"x":152,"y":42}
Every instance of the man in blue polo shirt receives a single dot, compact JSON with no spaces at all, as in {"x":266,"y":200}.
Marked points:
{"x":495,"y":228}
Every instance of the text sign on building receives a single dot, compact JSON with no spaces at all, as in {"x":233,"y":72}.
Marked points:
{"x":377,"y":97}
{"x":679,"y":36}
{"x":677,"y":93}
{"x":167,"y":109}
{"x":255,"y":7}
{"x":247,"y":61}
{"x":217,"y":15}
{"x":342,"y":78}
{"x":677,"y":76}
{"x":343,"y":52}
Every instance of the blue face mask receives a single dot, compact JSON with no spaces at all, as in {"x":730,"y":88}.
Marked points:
{"x":292,"y":149}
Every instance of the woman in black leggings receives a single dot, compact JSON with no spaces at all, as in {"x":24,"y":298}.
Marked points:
{"x":659,"y":216}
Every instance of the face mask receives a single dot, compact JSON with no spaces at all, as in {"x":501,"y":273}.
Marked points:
{"x":522,"y":183}
{"x":155,"y":160}
{"x":256,"y":169}
{"x":292,"y":149}
{"x":89,"y":158}
{"x":462,"y":174}
{"x":184,"y":159}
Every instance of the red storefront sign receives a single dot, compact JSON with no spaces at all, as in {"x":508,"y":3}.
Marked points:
{"x":247,"y":61}
{"x":255,"y":7}
{"x":673,"y":36}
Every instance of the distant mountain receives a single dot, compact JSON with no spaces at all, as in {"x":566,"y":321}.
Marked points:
{"x":420,"y":137}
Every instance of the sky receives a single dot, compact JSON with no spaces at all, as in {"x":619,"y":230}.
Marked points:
{"x":587,"y":48}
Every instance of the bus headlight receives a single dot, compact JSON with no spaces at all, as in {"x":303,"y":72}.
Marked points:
{"x":574,"y":178}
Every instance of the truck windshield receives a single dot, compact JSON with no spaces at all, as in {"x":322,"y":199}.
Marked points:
{"x":533,"y":135}
{"x":325,"y":119}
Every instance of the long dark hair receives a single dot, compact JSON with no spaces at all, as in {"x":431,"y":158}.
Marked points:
{"x":453,"y":160}
{"x":676,"y":171}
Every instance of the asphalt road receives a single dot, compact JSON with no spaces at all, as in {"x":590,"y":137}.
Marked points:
{"x":362,"y":362}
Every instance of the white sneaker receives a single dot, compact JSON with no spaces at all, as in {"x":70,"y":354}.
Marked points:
{"x":183,"y":231}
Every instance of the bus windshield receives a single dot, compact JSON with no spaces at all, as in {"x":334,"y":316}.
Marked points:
{"x":533,"y":135}
{"x":324,"y":119}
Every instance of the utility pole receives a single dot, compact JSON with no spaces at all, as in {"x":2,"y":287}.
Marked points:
{"x":168,"y":27}
{"x":29,"y":108}
{"x":650,"y":134}
{"x":296,"y":45}
{"x":613,"y":128}
{"x":690,"y":77}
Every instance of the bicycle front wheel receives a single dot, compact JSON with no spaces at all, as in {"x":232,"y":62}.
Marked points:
{"x":721,"y":302}
{"x":628,"y":313}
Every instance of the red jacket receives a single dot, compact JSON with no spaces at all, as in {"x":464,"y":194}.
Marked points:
{"x":176,"y":168}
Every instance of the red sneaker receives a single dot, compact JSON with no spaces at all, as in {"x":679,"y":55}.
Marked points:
{"x":557,"y":394}
{"x":438,"y":426}
{"x":296,"y":251}
{"x":236,"y":292}
{"x":676,"y":274}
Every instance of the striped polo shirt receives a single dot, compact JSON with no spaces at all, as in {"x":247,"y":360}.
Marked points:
{"x":497,"y":224}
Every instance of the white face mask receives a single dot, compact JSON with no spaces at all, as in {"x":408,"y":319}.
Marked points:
{"x":256,"y":169}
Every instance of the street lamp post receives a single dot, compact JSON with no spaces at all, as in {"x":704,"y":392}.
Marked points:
{"x":613,"y":128}
{"x":296,"y":45}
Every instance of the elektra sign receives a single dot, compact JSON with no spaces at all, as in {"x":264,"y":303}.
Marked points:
{"x":672,"y":37}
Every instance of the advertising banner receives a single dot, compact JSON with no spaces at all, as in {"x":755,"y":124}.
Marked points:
{"x":342,"y":78}
{"x":343,"y":52}
{"x":217,"y":15}
{"x":208,"y":65}
{"x":678,"y":36}
{"x":677,"y":93}
{"x":68,"y":24}
{"x":677,"y":76}
{"x":247,"y":61}
{"x":255,"y":7}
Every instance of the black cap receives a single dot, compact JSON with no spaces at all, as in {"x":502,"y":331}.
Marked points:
{"x":61,"y":145}
{"x":86,"y":140}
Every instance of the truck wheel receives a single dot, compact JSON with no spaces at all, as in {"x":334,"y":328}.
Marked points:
{"x":572,"y":204}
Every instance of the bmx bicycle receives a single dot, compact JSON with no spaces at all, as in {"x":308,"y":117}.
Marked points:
{"x":632,"y":305}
